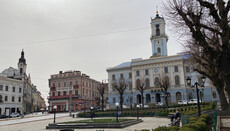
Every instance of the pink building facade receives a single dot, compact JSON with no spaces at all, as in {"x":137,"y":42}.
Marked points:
{"x":82,"y":88}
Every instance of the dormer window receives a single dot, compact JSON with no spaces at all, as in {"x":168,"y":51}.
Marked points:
{"x":157,"y":30}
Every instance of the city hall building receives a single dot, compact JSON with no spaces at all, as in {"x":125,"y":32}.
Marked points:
{"x":174,"y":69}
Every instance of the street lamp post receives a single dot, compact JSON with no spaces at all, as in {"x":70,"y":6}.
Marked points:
{"x":91,"y":112}
{"x":117,"y":105}
{"x":55,"y":107}
{"x":196,"y":84}
{"x":138,"y":106}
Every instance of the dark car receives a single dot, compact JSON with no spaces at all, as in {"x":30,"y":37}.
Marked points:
{"x":97,"y":108}
{"x":3,"y":116}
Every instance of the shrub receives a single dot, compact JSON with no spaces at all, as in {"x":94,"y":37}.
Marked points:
{"x":192,"y":120}
{"x":186,"y":129}
{"x":161,"y":128}
{"x":173,"y":128}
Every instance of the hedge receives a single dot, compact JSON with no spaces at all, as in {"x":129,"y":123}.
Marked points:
{"x":194,"y":125}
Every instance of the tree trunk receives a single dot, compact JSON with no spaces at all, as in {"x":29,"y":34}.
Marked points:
{"x":142,"y":99}
{"x":121,"y":101}
{"x":223,"y":101}
{"x":102,"y":102}
{"x":166,"y":100}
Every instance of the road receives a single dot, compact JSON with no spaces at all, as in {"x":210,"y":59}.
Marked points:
{"x":31,"y":118}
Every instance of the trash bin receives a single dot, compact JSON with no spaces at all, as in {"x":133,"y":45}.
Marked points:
{"x":73,"y":115}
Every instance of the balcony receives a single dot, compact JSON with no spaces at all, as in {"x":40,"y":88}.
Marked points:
{"x":63,"y":97}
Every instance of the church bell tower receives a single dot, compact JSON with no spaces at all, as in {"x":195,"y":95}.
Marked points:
{"x":22,"y":64}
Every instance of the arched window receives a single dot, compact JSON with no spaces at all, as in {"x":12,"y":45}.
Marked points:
{"x":157,"y":30}
{"x":148,"y":98}
{"x":158,"y":97}
{"x":167,"y":80}
{"x":138,"y":83}
{"x":214,"y":94}
{"x":159,"y":50}
{"x":177,"y":80}
{"x":1,"y":98}
{"x":187,"y":69}
{"x":138,"y":98}
{"x":190,"y":96}
{"x":156,"y":81}
{"x":178,"y":96}
{"x":147,"y":83}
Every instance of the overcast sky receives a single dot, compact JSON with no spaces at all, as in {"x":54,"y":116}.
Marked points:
{"x":85,"y":35}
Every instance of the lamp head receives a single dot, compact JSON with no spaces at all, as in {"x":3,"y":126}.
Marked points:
{"x":203,"y":78}
{"x":91,"y":108}
{"x":188,"y":80}
{"x":138,"y":106}
{"x":55,"y":107}
{"x":117,"y":104}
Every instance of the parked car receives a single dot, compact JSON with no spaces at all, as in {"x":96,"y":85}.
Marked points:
{"x":15,"y":115}
{"x":124,"y":106}
{"x":146,"y":106}
{"x":193,"y":101}
{"x":3,"y":116}
{"x":159,"y":104}
{"x":181,"y":102}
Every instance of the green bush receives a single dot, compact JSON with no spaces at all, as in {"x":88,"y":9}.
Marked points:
{"x":173,"y":128}
{"x":186,"y":129}
{"x":192,"y":120}
{"x":161,"y":128}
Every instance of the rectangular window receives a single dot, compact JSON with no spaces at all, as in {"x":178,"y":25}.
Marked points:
{"x":87,"y":92}
{"x":19,"y":99}
{"x":76,"y":92}
{"x":121,"y":76}
{"x":166,"y":69}
{"x":53,"y":94}
{"x":137,"y":73}
{"x":13,"y":89}
{"x":113,"y":77}
{"x":83,"y":92}
{"x":130,"y":75}
{"x":20,"y":90}
{"x":59,"y":84}
{"x":146,"y":72}
{"x":53,"y":84}
{"x":64,"y":84}
{"x":1,"y":87}
{"x":6,"y":88}
{"x":64,"y":93}
{"x":70,"y":83}
{"x":176,"y":68}
{"x":114,"y":100}
{"x":12,"y":98}
{"x":76,"y":83}
{"x":6,"y":98}
{"x":59,"y":93}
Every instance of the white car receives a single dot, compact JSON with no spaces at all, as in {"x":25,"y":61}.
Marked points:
{"x":193,"y":101}
{"x":181,"y":102}
{"x":15,"y":115}
{"x":159,"y":103}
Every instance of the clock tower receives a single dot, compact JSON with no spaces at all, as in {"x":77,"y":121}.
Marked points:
{"x":158,"y":37}
{"x":22,"y":64}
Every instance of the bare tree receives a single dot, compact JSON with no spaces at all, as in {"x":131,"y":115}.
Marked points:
{"x":164,"y":85}
{"x":140,"y":84}
{"x":205,"y":25}
{"x":120,"y":86}
{"x":101,"y":90}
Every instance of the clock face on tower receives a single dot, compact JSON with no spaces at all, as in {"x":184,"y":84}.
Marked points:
{"x":156,"y":70}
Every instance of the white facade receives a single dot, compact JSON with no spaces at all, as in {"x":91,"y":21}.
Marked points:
{"x":11,"y":94}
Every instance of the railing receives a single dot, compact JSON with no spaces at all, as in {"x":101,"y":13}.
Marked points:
{"x":214,"y":119}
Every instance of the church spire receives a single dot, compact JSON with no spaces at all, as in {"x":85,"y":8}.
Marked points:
{"x":22,"y":59}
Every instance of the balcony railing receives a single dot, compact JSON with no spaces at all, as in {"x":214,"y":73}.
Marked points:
{"x":61,"y":97}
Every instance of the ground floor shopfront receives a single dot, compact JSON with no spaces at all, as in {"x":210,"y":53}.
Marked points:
{"x":8,"y":109}
{"x":75,"y":105}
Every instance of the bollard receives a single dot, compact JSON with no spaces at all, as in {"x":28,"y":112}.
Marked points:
{"x":73,"y":115}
